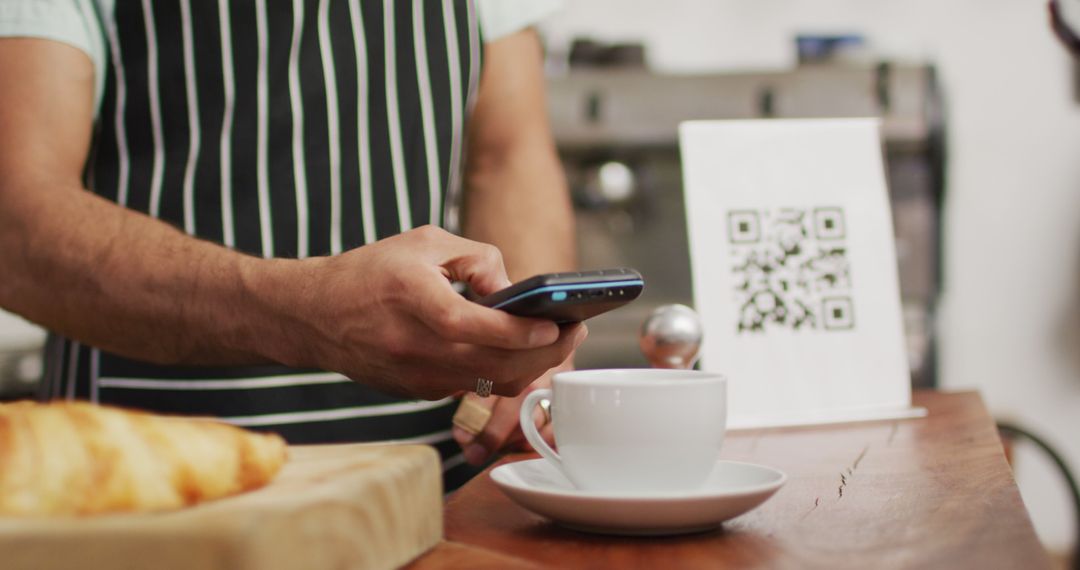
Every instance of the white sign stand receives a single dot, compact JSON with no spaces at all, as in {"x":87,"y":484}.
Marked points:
{"x":794,"y":265}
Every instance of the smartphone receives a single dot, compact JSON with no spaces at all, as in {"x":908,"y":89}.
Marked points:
{"x":568,"y":297}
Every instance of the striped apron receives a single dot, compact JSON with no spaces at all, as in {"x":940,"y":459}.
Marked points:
{"x":286,"y":128}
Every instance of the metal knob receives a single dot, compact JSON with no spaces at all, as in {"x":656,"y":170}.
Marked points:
{"x":671,"y":337}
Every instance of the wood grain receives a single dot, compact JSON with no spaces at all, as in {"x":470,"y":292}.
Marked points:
{"x":332,"y":506}
{"x":933,"y":492}
{"x":453,"y":555}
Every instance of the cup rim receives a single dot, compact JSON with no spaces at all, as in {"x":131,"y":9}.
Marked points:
{"x":638,"y":377}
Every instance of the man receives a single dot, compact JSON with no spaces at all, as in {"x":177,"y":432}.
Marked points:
{"x":260,"y":178}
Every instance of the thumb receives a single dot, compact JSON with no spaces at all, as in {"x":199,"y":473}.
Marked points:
{"x":481,"y":266}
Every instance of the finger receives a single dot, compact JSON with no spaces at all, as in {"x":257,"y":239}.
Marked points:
{"x":511,"y":370}
{"x":472,"y":416}
{"x":538,"y":361}
{"x":499,"y":429}
{"x":478,"y":264}
{"x":472,"y":449}
{"x":474,"y":453}
{"x":548,"y":433}
{"x":518,"y":441}
{"x":459,"y":366}
{"x":457,"y":319}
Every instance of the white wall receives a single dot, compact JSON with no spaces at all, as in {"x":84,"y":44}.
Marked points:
{"x":1012,"y":235}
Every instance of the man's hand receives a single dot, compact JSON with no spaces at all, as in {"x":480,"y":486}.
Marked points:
{"x":386,"y":314}
{"x":502,"y":432}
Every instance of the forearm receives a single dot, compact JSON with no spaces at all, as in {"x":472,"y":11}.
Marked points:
{"x":520,"y":204}
{"x":516,"y":196}
{"x":102,"y":274}
{"x":383,"y":314}
{"x":127,"y":283}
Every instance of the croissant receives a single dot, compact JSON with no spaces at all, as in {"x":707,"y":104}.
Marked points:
{"x":75,"y":458}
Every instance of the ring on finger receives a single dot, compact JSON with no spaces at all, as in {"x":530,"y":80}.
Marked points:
{"x":483,"y":387}
{"x":545,"y":406}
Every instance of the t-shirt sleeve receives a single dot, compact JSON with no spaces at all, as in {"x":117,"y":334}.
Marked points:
{"x":59,"y":20}
{"x":500,"y":18}
{"x":68,"y":21}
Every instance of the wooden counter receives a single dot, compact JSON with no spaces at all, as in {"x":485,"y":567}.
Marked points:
{"x":933,"y":492}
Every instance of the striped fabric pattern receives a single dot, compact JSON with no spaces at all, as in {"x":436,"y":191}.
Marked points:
{"x":280,"y":129}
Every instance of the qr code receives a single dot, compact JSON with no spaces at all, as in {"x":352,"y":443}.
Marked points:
{"x":791,"y":269}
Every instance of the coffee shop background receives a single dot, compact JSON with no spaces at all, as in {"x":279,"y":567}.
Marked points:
{"x":1004,"y":303}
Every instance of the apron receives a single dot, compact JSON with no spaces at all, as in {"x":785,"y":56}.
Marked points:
{"x":279,"y":129}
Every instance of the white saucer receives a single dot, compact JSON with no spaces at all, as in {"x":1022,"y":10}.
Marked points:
{"x":733,"y":488}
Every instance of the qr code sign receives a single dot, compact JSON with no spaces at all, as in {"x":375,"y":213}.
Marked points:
{"x":790,"y":269}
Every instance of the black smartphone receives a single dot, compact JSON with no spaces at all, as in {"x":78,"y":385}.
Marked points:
{"x":568,"y":297}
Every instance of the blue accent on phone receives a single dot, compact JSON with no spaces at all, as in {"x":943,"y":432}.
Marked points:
{"x":556,"y":289}
{"x":569,"y":297}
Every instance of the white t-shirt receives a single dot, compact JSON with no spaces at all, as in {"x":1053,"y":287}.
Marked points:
{"x":72,"y":22}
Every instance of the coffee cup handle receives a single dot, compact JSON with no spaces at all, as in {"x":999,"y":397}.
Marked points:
{"x":528,"y":426}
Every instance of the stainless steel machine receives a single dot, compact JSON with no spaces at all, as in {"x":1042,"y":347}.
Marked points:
{"x":616,"y":130}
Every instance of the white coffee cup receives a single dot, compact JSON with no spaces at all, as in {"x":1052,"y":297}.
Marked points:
{"x":634,"y":430}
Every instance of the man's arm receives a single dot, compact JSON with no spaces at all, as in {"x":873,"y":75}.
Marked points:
{"x":516,"y":196}
{"x":133,"y":285}
{"x":516,"y":193}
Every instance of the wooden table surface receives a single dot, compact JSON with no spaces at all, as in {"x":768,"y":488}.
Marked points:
{"x":933,"y":492}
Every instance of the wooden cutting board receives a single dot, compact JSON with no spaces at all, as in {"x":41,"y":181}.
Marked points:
{"x":332,"y":506}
